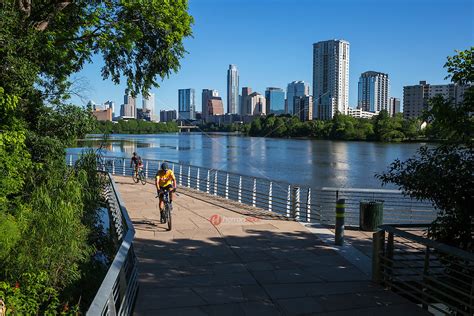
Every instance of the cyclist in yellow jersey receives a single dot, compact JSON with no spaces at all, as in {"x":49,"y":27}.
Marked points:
{"x":165,"y":180}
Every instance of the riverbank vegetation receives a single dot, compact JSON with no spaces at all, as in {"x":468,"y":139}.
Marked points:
{"x":342,"y":127}
{"x":53,"y":251}
{"x":135,"y":127}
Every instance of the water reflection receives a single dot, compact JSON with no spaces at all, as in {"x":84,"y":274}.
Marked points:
{"x":310,"y":162}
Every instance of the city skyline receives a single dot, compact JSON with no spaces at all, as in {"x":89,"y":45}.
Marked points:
{"x":394,"y":48}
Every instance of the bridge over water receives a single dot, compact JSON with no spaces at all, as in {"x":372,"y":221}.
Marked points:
{"x":225,"y":258}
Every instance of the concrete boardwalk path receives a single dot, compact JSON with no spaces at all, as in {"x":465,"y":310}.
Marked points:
{"x":238,"y":264}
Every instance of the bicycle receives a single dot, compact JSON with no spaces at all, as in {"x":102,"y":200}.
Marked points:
{"x":139,"y":176}
{"x":166,"y":219}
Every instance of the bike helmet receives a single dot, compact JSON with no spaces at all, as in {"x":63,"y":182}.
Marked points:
{"x":164,"y":166}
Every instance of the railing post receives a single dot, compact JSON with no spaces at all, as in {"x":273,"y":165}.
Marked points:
{"x":389,"y":256}
{"x":254,"y":192}
{"x":227,"y":186}
{"x":146,"y":169}
{"x":123,"y":166}
{"x":113,"y":166}
{"x":208,"y":180}
{"x":288,"y":201}
{"x":180,"y":174}
{"x":197,"y":179}
{"x":70,"y":160}
{"x":240,"y":189}
{"x":340,"y":214}
{"x":270,"y":189}
{"x":308,"y":206}
{"x":215,"y":183}
{"x":172,"y":167}
{"x":295,"y":203}
{"x":426,"y":268}
{"x":377,"y":252}
{"x":189,"y":176}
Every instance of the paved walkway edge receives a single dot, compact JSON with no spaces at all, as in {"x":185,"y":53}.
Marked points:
{"x":350,"y":253}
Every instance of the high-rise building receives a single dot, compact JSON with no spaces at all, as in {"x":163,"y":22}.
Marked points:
{"x":167,"y":115}
{"x":330,"y":78}
{"x":233,"y":90}
{"x":206,"y":95}
{"x":393,"y":106}
{"x":130,"y":105}
{"x":186,"y":104}
{"x":373,"y":91}
{"x":215,"y":106}
{"x":246,"y":91}
{"x":275,"y":98}
{"x":416,"y":97}
{"x":256,"y":104}
{"x":148,"y":103}
{"x":110,"y":105}
{"x":295,"y":89}
{"x":303,"y":107}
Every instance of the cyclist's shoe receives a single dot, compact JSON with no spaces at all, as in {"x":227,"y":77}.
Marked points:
{"x":162,"y":217}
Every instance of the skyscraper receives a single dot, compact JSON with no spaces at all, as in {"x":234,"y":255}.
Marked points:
{"x":129,"y":105}
{"x":110,"y":105}
{"x":244,"y":108}
{"x":215,"y":106}
{"x":295,"y":89}
{"x":330,"y":78}
{"x":233,"y":90}
{"x":148,"y":103}
{"x":256,"y":104}
{"x":275,"y":98}
{"x":186,"y":104}
{"x":206,"y":95}
{"x":373,"y":91}
{"x":393,"y":106}
{"x":303,"y":107}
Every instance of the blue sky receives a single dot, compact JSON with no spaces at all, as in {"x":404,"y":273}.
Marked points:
{"x":270,"y":41}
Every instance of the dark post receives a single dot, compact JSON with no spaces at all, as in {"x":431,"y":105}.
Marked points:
{"x":340,"y":210}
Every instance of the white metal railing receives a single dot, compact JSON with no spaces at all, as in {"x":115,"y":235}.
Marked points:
{"x":118,"y":290}
{"x":293,"y":201}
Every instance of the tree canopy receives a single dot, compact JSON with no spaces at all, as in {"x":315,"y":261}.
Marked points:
{"x":50,"y":235}
{"x":444,"y":174}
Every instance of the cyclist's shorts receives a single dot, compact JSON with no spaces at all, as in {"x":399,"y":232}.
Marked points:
{"x":169,"y":187}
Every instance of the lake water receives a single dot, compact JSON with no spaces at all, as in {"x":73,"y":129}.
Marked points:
{"x":316,"y":163}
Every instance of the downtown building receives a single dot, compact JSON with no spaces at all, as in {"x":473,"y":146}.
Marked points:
{"x":129,"y":107}
{"x":295,"y":89}
{"x":186,"y":104}
{"x":215,"y":106}
{"x":393,"y":106}
{"x":255,"y":104}
{"x":233,"y":90}
{"x":330,"y":78}
{"x":244,"y":108}
{"x":168,"y":115}
{"x":303,"y":107}
{"x":148,"y":103}
{"x":373,"y":91}
{"x":206,"y":95}
{"x":416,"y":98}
{"x":275,"y":99}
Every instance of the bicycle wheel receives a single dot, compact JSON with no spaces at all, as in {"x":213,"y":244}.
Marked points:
{"x":142,"y":178}
{"x":135,"y":177}
{"x":168,"y":216}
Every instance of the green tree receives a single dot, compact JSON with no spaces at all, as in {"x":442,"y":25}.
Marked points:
{"x":443,"y":174}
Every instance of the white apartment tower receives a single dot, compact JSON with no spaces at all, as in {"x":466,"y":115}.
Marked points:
{"x":148,"y":102}
{"x":373,"y":91}
{"x":330,"y":78}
